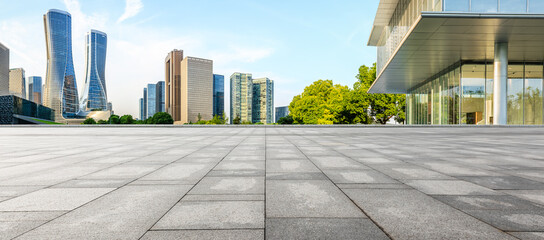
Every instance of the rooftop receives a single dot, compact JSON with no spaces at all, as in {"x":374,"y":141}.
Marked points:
{"x":271,"y":182}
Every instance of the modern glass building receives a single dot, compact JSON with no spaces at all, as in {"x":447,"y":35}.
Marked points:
{"x":263,"y":101}
{"x":161,"y":94}
{"x":151,"y":100}
{"x":61,"y":87}
{"x":142,"y":109}
{"x":462,"y":61}
{"x":35,"y":89}
{"x":218,"y":95}
{"x":196,"y":89}
{"x":16,"y":110}
{"x":241,"y":97}
{"x":4,"y":70}
{"x":17,"y":83}
{"x":144,"y":113}
{"x":94,"y":95}
{"x":281,"y":112}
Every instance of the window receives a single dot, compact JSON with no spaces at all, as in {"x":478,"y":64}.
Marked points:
{"x":533,"y":94}
{"x":484,"y":6}
{"x":514,"y":93}
{"x":456,"y":5}
{"x":513,"y":6}
{"x":536,"y":6}
{"x":473,"y":94}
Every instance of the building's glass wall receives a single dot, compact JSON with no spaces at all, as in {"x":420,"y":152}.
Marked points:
{"x":464,"y":95}
{"x":503,"y":6}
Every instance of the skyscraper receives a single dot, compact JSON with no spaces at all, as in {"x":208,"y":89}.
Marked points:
{"x":263,"y":101}
{"x":61,"y":87}
{"x":218,"y":95}
{"x":17,"y":85}
{"x":172,"y":81}
{"x":35,"y":89}
{"x":151,"y":98}
{"x":241,"y":92}
{"x":145,"y":104}
{"x":196,"y":89}
{"x":142,"y":109}
{"x":94,"y":94}
{"x":4,"y":70}
{"x":160,"y":96}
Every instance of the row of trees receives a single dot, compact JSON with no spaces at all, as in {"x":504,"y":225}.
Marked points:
{"x":216,"y":120}
{"x":157,"y":118}
{"x":324,"y":102}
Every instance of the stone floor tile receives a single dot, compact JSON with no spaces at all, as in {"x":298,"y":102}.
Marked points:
{"x":322,"y":228}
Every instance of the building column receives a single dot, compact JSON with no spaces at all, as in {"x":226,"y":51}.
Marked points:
{"x":500,"y":83}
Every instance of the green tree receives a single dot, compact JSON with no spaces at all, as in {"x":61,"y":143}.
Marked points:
{"x":236,"y":120}
{"x":286,"y":120}
{"x":383,"y":107}
{"x":89,"y":121}
{"x":326,"y":103}
{"x":161,"y":118}
{"x":103,"y":122}
{"x":114,"y":119}
{"x":126,"y":119}
{"x":217,"y":120}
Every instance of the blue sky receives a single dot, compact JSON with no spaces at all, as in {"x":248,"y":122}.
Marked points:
{"x":292,"y":42}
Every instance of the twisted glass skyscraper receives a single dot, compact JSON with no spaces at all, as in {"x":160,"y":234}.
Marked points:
{"x":94,"y":94}
{"x":61,"y":88}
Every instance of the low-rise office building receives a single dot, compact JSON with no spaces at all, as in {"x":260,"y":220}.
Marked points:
{"x":17,"y":110}
{"x":462,"y":62}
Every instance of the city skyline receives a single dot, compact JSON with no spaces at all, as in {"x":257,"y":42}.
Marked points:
{"x":294,"y":58}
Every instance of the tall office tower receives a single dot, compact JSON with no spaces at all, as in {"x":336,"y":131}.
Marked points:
{"x":142,"y":111}
{"x":263,"y":101}
{"x":281,"y":112}
{"x":196,"y":89}
{"x":94,"y":94}
{"x":4,"y":70}
{"x":218,"y":95}
{"x":160,"y":96}
{"x":151,"y":100}
{"x":145,"y":104}
{"x":110,"y":106}
{"x":61,"y":91}
{"x":35,"y":89}
{"x":172,"y":81}
{"x":17,"y":85}
{"x":241,"y":92}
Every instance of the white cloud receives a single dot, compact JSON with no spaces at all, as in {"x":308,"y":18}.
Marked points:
{"x":132,"y":8}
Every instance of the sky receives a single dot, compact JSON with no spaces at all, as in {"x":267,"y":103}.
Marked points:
{"x":293,"y":43}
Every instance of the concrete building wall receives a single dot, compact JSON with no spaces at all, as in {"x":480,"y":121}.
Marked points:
{"x":17,"y":84}
{"x":196,"y":89}
{"x":172,"y":103}
{"x":4,"y":70}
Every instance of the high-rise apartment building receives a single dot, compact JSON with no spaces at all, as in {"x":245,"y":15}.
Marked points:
{"x":94,"y":95}
{"x":196,"y":89}
{"x":17,"y":84}
{"x":35,"y":89}
{"x":218,"y":95}
{"x":281,"y":112}
{"x":173,"y":83}
{"x":4,"y":70}
{"x":462,"y":62}
{"x":161,"y":96}
{"x":263,"y":101}
{"x":241,"y":93}
{"x":61,"y":87}
{"x":151,"y":100}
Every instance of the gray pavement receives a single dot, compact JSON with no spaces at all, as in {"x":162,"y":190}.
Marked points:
{"x":271,"y":182}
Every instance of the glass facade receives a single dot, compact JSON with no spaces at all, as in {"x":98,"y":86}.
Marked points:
{"x":15,"y":109}
{"x":161,"y":91}
{"x":281,"y":112}
{"x":61,"y":89}
{"x":218,"y":95}
{"x":94,"y":94}
{"x":151,"y":100}
{"x":35,"y":89}
{"x":263,"y":101}
{"x":241,"y":97}
{"x":463,"y":94}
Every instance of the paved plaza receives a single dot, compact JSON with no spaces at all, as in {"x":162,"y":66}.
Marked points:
{"x":271,"y":182}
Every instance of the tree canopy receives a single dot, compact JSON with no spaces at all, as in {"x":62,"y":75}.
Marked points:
{"x":324,"y":102}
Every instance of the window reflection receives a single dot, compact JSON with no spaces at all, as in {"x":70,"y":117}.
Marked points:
{"x":456,"y":5}
{"x":513,"y":6}
{"x":533,"y":94}
{"x":484,"y":6}
{"x":515,"y":95}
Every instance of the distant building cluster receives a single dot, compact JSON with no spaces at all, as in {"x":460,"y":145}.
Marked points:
{"x":281,"y":112}
{"x":153,"y":100}
{"x":251,"y":100}
{"x":59,"y":91}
